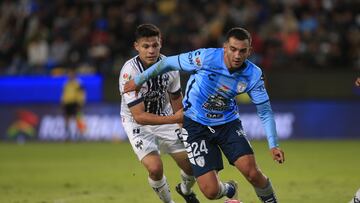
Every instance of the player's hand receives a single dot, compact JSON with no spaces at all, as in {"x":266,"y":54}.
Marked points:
{"x":278,"y":155}
{"x":179,"y":116}
{"x":130,"y":86}
{"x":357,"y":82}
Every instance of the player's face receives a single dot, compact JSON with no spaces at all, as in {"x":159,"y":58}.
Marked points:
{"x":148,"y":49}
{"x":235,"y":52}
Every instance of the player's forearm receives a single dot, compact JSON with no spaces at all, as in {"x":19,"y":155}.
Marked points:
{"x":163,"y":66}
{"x":267,"y":118}
{"x":176,"y":102}
{"x":152,"y":119}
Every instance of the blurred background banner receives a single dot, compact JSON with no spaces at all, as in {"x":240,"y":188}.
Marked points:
{"x":46,"y":123}
{"x":45,"y":89}
{"x":294,"y":120}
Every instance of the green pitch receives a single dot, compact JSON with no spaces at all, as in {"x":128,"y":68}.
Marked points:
{"x":314,"y":171}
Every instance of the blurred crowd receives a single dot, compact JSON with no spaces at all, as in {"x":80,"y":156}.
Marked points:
{"x":96,"y":36}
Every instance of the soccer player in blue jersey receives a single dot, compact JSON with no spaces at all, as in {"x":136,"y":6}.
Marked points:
{"x":211,"y":114}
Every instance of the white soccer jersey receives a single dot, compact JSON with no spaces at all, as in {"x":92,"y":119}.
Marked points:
{"x":154,"y":93}
{"x":145,"y":139}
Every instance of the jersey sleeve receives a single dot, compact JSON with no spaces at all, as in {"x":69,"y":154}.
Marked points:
{"x":267,"y":119}
{"x":130,"y":98}
{"x":175,"y":85}
{"x":188,"y":62}
{"x":192,"y":61}
{"x":258,"y":93}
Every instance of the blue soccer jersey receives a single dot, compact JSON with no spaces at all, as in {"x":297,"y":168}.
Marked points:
{"x":212,"y":88}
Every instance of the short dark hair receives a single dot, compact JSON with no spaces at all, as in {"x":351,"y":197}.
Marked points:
{"x":147,"y":30}
{"x":239,"y":33}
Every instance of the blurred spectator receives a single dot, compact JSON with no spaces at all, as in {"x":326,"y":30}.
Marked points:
{"x":59,"y":48}
{"x":95,"y":36}
{"x":37,"y":54}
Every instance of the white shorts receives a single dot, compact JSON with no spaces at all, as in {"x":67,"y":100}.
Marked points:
{"x":149,"y":138}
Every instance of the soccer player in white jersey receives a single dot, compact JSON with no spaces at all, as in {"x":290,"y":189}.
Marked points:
{"x":155,"y":104}
{"x":211,"y":116}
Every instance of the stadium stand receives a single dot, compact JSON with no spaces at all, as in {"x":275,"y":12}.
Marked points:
{"x":46,"y":37}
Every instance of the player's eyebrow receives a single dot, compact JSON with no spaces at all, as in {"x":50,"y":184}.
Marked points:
{"x":240,"y":49}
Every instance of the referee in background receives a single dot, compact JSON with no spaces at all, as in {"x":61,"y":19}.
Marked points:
{"x":72,"y":101}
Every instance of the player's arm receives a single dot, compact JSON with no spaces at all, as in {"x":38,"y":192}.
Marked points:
{"x":267,"y":119}
{"x":174,"y":92}
{"x":145,"y":118}
{"x":188,"y":62}
{"x":163,"y":66}
{"x":176,"y":103}
{"x":176,"y":100}
{"x":260,"y":98}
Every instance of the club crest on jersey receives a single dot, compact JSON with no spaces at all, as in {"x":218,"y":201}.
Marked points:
{"x":200,"y":161}
{"x":241,"y":86}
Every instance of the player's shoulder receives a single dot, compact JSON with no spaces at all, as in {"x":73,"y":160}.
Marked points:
{"x":208,"y":51}
{"x":253,"y":67}
{"x":205,"y":56}
{"x":173,"y":74}
{"x":253,"y":72}
{"x":129,"y":68}
{"x":130,"y":64}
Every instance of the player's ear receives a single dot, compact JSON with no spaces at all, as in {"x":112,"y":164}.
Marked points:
{"x":225,"y":45}
{"x":136,"y":46}
{"x":250,"y":51}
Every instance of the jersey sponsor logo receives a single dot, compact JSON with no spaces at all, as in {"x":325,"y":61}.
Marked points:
{"x":211,"y":76}
{"x":260,"y":88}
{"x":197,"y":58}
{"x":240,"y":132}
{"x":190,"y":58}
{"x":214,"y":115}
{"x":216,"y":103}
{"x":136,"y":130}
{"x":155,"y":95}
{"x":241,"y":86}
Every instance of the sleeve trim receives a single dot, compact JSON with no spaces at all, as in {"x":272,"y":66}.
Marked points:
{"x":133,"y":103}
{"x":180,"y":63}
{"x":262,"y":102}
{"x":176,"y":92}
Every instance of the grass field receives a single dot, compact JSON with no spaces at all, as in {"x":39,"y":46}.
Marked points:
{"x":314,"y":172}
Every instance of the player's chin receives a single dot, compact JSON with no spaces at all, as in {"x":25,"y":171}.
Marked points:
{"x":236,"y":64}
{"x":150,"y":61}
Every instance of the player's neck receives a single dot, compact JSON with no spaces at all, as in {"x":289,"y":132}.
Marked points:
{"x":233,"y":69}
